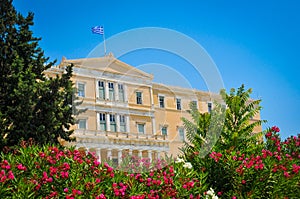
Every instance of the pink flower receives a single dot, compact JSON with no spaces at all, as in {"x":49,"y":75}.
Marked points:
{"x":64,"y":174}
{"x":215,"y":156}
{"x":66,"y":190}
{"x":21,"y":167}
{"x":96,"y":163}
{"x":41,"y":154}
{"x":233,"y":197}
{"x":275,"y":129}
{"x":109,"y":169}
{"x":37,"y":187}
{"x":286,"y":174}
{"x":5,"y":162}
{"x":53,"y":194}
{"x":296,"y":168}
{"x":66,"y":166}
{"x":98,"y":180}
{"x":53,"y":170}
{"x":269,"y":134}
{"x":101,"y":196}
{"x":49,"y":180}
{"x":10,"y":175}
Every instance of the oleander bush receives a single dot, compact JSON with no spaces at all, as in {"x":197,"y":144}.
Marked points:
{"x":272,"y":172}
{"x":31,"y":171}
{"x":53,"y":172}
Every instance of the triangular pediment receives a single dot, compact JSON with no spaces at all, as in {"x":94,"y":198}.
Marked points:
{"x":107,"y":64}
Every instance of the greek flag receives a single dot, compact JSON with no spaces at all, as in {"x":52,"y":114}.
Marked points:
{"x":98,"y":30}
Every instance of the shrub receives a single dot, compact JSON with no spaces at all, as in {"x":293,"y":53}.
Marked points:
{"x":53,"y":172}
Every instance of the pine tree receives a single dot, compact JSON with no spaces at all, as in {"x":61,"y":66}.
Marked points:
{"x":31,"y":105}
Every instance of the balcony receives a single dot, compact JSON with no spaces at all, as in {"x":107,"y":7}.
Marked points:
{"x":121,"y":136}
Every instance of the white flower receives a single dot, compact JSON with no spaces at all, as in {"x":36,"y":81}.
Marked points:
{"x":179,"y":160}
{"x":188,"y":165}
{"x":211,"y":193}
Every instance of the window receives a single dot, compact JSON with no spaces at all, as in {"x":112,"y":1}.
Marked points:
{"x":178,"y":104}
{"x":81,"y":124}
{"x":122,"y":123}
{"x":102,"y":121}
{"x":181,"y":133}
{"x":115,"y":162}
{"x":224,"y":106}
{"x":121,"y":92}
{"x":111,"y":91}
{"x":141,"y":128}
{"x":209,"y":106}
{"x":139,"y":99}
{"x":161,"y":100}
{"x":194,"y":104}
{"x":81,"y":89}
{"x":164,"y":130}
{"x":101,"y":86}
{"x":113,"y":126}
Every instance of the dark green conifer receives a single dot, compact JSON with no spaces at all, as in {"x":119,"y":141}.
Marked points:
{"x":31,"y":105}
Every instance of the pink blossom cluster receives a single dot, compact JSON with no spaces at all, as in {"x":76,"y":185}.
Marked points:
{"x":119,"y":189}
{"x":6,"y":172}
{"x":216,"y":156}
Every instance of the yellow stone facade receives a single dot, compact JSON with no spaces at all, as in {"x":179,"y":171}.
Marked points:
{"x":126,"y":112}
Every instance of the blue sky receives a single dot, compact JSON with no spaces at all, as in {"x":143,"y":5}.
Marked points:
{"x":251,"y":42}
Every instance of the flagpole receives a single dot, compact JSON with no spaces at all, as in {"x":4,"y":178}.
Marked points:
{"x":104,"y":44}
{"x":100,"y":30}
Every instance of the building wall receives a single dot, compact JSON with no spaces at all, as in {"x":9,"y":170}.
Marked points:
{"x":149,"y":113}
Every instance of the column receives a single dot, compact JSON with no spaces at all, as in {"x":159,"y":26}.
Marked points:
{"x":158,"y":154}
{"x":118,"y":122}
{"x":107,"y":122}
{"x":153,"y":125}
{"x":127,"y":123}
{"x":125,"y":93}
{"x":98,"y":121}
{"x":165,"y":153}
{"x":98,"y":154}
{"x":109,"y":154}
{"x":151,"y":97}
{"x":119,"y":156}
{"x":116,"y":91}
{"x":106,"y":91}
{"x":130,"y":152}
{"x":150,"y":155}
{"x":87,"y":150}
{"x":97,"y":89}
{"x":140,"y":153}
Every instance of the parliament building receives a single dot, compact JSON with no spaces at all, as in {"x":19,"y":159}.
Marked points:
{"x":126,"y":112}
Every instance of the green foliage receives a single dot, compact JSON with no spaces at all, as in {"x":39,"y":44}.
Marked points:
{"x":52,"y":172}
{"x":31,"y":105}
{"x":241,"y":165}
{"x":197,"y":129}
{"x":238,"y":127}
